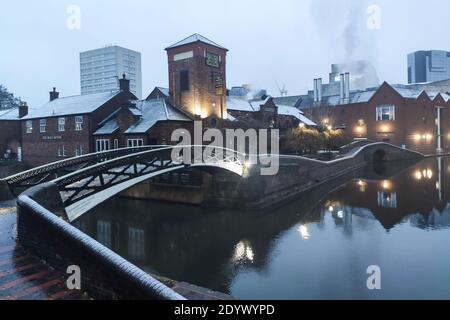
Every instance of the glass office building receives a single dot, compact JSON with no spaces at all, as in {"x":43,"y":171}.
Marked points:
{"x":428,"y":66}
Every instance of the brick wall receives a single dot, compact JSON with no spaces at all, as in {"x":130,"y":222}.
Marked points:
{"x":413,"y":118}
{"x":10,"y":136}
{"x":202,"y":84}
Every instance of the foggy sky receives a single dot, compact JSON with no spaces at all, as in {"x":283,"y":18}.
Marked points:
{"x":272,"y":42}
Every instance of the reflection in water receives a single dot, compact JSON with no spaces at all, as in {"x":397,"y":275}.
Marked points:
{"x":316,"y":247}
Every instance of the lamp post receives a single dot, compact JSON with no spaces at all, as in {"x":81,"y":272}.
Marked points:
{"x":439,"y":149}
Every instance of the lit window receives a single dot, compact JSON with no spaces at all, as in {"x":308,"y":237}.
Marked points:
{"x":43,"y":125}
{"x":61,"y":124}
{"x":78,"y":123}
{"x":386,"y":113}
{"x":29,"y":125}
{"x":132,"y":143}
{"x":387,"y":200}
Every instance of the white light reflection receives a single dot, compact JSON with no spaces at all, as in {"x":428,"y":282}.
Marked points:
{"x":243,"y":252}
{"x":303,"y":230}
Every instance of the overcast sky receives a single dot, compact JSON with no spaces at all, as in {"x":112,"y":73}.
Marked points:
{"x":284,"y":42}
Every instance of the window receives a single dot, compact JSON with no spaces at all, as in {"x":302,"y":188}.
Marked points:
{"x":184,"y":80}
{"x":116,"y":144}
{"x":104,"y":234}
{"x":135,"y":143}
{"x":102,"y":145}
{"x":386,"y":113}
{"x":61,"y":124}
{"x":78,"y":123}
{"x":387,"y":200}
{"x":43,"y":125}
{"x":136,"y":243}
{"x":29,"y":125}
{"x":79,"y":151}
{"x":62,"y":152}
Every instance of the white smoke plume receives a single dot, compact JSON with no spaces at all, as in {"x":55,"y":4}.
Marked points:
{"x":342,"y":22}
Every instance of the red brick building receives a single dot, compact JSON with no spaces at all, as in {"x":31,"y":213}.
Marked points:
{"x":64,"y":127}
{"x":266,"y":113}
{"x":403,"y":115}
{"x":10,"y":132}
{"x":148,"y":122}
{"x":197,"y":78}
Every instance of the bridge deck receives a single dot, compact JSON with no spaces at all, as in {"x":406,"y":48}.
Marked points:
{"x":22,"y":275}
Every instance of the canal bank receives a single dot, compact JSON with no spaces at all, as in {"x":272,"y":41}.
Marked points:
{"x":23,"y":276}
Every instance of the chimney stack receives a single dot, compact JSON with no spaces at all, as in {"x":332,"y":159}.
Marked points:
{"x":54,"y":94}
{"x":23,"y":109}
{"x":315,"y":91}
{"x":124,"y":84}
{"x":342,"y":86}
{"x":347,"y":86}
{"x":319,"y":90}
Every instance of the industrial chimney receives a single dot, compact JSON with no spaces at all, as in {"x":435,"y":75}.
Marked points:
{"x":342,"y":86}
{"x":315,"y":91}
{"x":319,"y":90}
{"x":347,"y":86}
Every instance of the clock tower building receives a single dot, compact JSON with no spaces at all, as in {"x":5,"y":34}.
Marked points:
{"x":197,"y":78}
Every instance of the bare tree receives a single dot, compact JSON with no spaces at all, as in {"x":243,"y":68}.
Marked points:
{"x":7,"y":99}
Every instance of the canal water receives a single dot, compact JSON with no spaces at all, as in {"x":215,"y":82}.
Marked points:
{"x":320,"y":246}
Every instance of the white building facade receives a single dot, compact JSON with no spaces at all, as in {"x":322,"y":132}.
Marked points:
{"x":101,"y":69}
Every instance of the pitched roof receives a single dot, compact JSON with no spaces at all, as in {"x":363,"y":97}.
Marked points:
{"x":195,"y":38}
{"x":9,"y":114}
{"x":72,"y":105}
{"x":164,"y":91}
{"x":296,"y":113}
{"x":153,"y":111}
{"x":240,"y":104}
{"x":109,"y":127}
{"x":289,"y":100}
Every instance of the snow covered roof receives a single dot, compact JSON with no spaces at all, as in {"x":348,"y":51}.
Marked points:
{"x":195,"y":38}
{"x":72,"y":105}
{"x":289,"y":100}
{"x":9,"y":114}
{"x":153,"y":111}
{"x":164,"y":91}
{"x":294,"y":112}
{"x":108,"y":127}
{"x":239,"y":104}
{"x":334,"y":100}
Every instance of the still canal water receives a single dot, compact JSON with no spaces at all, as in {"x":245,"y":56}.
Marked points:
{"x":318,"y":247}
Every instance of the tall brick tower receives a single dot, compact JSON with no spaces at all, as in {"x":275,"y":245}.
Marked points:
{"x":197,"y":78}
